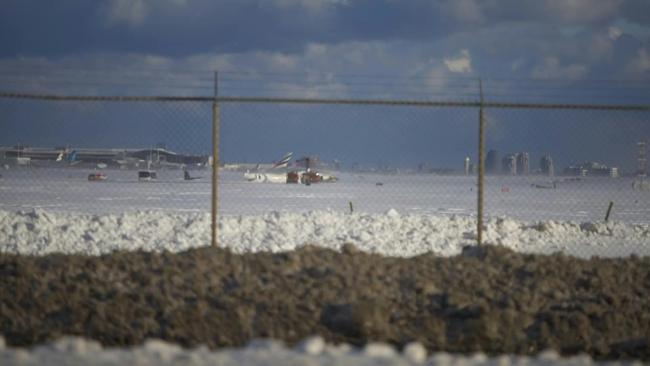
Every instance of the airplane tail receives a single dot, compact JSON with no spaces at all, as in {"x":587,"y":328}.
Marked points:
{"x":68,"y":157}
{"x":186,"y":176}
{"x":72,"y":158}
{"x":284,"y":162}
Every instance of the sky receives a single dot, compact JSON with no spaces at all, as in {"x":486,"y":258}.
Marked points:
{"x":546,"y":51}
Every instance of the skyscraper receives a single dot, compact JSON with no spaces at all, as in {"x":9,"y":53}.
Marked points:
{"x":546,"y":165}
{"x":523,"y":165}
{"x":492,"y":162}
{"x":509,"y":164}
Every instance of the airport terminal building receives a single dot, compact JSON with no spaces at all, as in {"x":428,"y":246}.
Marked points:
{"x":122,"y":158}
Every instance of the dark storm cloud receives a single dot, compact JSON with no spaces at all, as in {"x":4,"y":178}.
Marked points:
{"x":637,"y":11}
{"x":41,"y":28}
{"x":525,"y":51}
{"x":183,"y":27}
{"x":49,"y":28}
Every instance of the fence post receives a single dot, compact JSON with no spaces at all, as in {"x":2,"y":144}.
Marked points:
{"x":481,"y":167}
{"x":609,"y":210}
{"x":215,"y":159}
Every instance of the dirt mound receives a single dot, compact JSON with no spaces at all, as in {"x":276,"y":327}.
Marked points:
{"x":488,"y":299}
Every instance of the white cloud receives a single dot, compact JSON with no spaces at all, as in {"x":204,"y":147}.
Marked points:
{"x":316,"y":49}
{"x":208,"y":62}
{"x":461,"y":64}
{"x":130,"y":12}
{"x":464,"y":11}
{"x":156,"y":61}
{"x":599,"y":47}
{"x":436,"y":78}
{"x":581,"y":11}
{"x":312,"y":6}
{"x":280,"y":61}
{"x":614,"y":33}
{"x":135,"y":12}
{"x":552,"y":69}
{"x":517,"y":64}
{"x":640,"y":64}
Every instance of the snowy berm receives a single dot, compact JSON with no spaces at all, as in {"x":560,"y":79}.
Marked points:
{"x":40,"y":232}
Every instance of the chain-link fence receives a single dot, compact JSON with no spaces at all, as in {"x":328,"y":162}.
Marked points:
{"x":543,"y":164}
{"x":105,"y":156}
{"x":566,"y":164}
{"x":368,"y":158}
{"x":102,"y":174}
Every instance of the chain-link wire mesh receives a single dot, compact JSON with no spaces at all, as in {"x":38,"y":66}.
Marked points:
{"x":369,"y":158}
{"x":102,"y":156}
{"x":571,"y":179}
{"x":571,"y":172}
{"x":552,"y":164}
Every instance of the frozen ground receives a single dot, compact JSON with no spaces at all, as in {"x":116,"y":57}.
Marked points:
{"x":313,"y":351}
{"x":44,"y":211}
{"x":47,"y":211}
{"x":41,"y":232}
{"x":582,"y":200}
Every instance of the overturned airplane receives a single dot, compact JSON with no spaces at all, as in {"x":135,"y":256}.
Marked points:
{"x":307,"y":176}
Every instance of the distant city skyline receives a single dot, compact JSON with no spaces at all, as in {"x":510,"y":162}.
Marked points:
{"x":546,"y":51}
{"x":515,"y":164}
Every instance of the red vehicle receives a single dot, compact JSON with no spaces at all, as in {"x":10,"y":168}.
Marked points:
{"x":95,"y":177}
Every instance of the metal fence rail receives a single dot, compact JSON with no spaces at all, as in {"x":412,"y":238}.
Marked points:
{"x":591,"y":125}
{"x":404,"y":102}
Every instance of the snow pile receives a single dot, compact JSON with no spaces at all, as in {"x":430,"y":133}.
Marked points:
{"x":312,"y":351}
{"x":40,"y":232}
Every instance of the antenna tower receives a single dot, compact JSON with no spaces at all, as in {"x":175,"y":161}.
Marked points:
{"x":641,"y":159}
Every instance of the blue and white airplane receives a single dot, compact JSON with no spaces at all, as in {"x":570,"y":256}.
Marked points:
{"x":70,"y":158}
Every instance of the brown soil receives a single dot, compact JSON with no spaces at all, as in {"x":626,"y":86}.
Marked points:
{"x":489,"y":299}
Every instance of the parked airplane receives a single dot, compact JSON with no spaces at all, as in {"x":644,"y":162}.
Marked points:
{"x":129,"y":162}
{"x":70,"y":158}
{"x":186,"y":176}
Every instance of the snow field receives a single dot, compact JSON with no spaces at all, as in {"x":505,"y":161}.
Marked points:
{"x":41,"y":232}
{"x":94,"y":219}
{"x":311,"y":351}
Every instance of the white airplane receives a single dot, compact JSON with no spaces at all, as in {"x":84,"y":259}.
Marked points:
{"x":72,"y":159}
{"x":270,"y":177}
{"x":128,"y":162}
{"x":266,"y":177}
{"x":306,"y":176}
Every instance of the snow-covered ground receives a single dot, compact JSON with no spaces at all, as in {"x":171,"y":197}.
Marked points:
{"x":67,"y":190}
{"x":312,"y":351}
{"x":44,"y":211}
{"x":392,"y":233}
